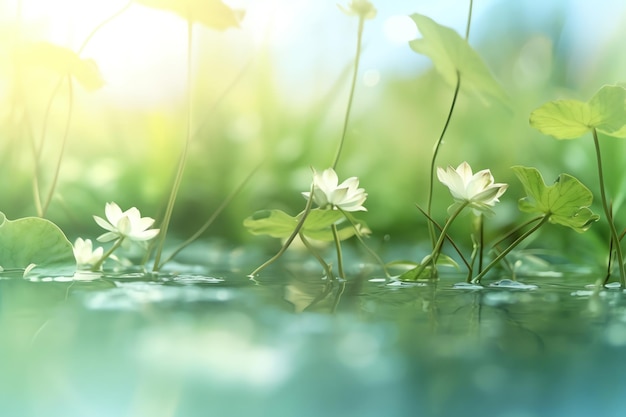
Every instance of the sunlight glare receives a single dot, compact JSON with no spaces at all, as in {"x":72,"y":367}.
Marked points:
{"x":399,"y":29}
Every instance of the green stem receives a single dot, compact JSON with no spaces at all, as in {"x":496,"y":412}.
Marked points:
{"x":352,"y":88}
{"x":327,"y":269}
{"x":373,"y":254}
{"x":481,"y":241}
{"x":98,"y":265}
{"x":433,"y":162}
{"x":290,"y":239}
{"x":183,"y":157}
{"x":607,"y":212}
{"x":57,"y":170}
{"x":340,"y":271}
{"x":512,"y":246}
{"x":454,"y":245}
{"x":432,"y":259}
{"x":211,"y":219}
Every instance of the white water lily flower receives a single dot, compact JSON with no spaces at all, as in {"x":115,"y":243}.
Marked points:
{"x":84,"y":253}
{"x":361,"y":8}
{"x":478,"y":190}
{"x":328,"y":192}
{"x":128,"y":224}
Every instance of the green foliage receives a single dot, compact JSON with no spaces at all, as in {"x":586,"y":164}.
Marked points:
{"x":570,"y":119}
{"x":451,"y":53}
{"x":278,"y":224}
{"x":567,"y":201}
{"x":33,"y":240}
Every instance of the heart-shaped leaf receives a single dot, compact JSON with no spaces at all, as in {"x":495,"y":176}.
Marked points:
{"x":34,"y":242}
{"x":567,"y":201}
{"x":64,"y":61}
{"x":212,"y":13}
{"x":451,"y":53}
{"x":570,"y":119}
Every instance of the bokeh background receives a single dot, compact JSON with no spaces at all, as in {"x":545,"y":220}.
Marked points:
{"x":275,"y":91}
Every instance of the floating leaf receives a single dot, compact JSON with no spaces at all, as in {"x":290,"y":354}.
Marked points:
{"x":212,"y":13}
{"x":567,"y":201}
{"x":33,"y":240}
{"x":63,"y":61}
{"x":570,"y":119}
{"x":278,"y":224}
{"x":451,"y":53}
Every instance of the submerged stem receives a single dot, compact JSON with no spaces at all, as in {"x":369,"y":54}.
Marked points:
{"x":607,"y":212}
{"x":352,"y":88}
{"x":183,"y":158}
{"x":512,"y":246}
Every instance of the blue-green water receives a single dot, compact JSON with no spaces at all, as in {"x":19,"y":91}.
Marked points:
{"x":211,"y":342}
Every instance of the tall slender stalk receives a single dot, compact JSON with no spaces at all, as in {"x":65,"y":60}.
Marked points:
{"x":340,"y":271}
{"x":512,"y":246}
{"x":355,"y":72}
{"x":607,"y":212}
{"x":183,"y":157}
{"x":211,"y":219}
{"x":40,"y":206}
{"x":66,"y":132}
{"x":433,"y":161}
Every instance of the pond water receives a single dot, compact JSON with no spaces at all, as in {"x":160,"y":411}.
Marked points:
{"x":202,"y":341}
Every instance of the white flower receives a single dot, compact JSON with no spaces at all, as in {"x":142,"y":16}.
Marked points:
{"x":361,"y":8}
{"x":345,"y":196}
{"x":479,"y":190}
{"x":84,"y":253}
{"x":128,"y":224}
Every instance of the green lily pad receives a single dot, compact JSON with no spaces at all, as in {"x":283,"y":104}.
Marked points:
{"x":34,"y":241}
{"x":211,"y":13}
{"x":570,"y":119}
{"x":451,"y":53}
{"x":567,"y":201}
{"x":278,"y":224}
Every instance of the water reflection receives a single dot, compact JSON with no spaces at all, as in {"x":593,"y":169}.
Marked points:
{"x":297,"y":344}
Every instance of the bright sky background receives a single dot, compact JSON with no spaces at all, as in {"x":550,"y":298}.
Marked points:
{"x":142,"y":53}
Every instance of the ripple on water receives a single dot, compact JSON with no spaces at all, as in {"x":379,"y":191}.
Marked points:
{"x":514,"y":285}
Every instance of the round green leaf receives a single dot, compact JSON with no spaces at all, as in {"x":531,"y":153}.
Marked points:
{"x":567,"y":201}
{"x":34,"y":241}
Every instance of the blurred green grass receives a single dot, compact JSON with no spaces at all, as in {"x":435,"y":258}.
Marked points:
{"x":128,"y":155}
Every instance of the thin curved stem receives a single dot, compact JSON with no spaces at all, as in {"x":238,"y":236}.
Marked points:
{"x":290,"y":239}
{"x":183,"y":157}
{"x":432,"y":258}
{"x":98,"y":265}
{"x":512,"y":246}
{"x":211,"y":219}
{"x":607,"y":212}
{"x":316,"y":255}
{"x":433,"y":162}
{"x":340,"y":271}
{"x":102,"y":24}
{"x":373,"y":254}
{"x":57,"y":170}
{"x":352,"y":88}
